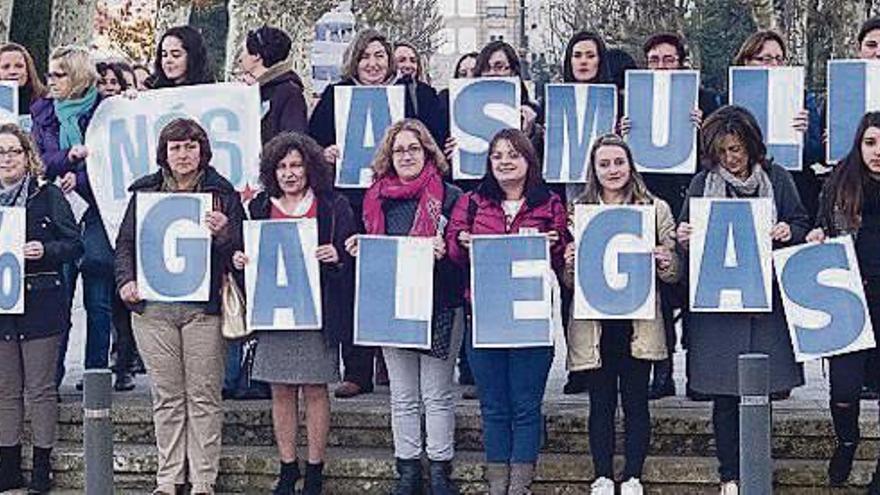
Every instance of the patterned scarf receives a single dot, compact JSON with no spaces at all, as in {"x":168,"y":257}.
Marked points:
{"x":15,"y":194}
{"x":720,"y":182}
{"x":427,"y":188}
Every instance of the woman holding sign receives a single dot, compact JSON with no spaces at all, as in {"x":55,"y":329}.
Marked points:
{"x":17,"y":65}
{"x":410,"y":198}
{"x":734,"y":158}
{"x":29,"y":342}
{"x":297,"y":185}
{"x":616,"y":355}
{"x":850,"y":205}
{"x":510,"y":199}
{"x":180,"y":342}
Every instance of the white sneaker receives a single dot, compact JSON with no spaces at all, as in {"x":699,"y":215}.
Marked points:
{"x":631,"y":486}
{"x":729,"y":488}
{"x":602,"y":486}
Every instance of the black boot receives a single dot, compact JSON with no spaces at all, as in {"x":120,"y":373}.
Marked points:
{"x":287,"y":478}
{"x":409,"y":481}
{"x":846,"y":429}
{"x":10,"y":468}
{"x":124,"y":381}
{"x":441,"y":484}
{"x":314,"y":484}
{"x":41,"y":477}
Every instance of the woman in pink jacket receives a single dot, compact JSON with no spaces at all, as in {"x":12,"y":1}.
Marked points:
{"x":511,"y":199}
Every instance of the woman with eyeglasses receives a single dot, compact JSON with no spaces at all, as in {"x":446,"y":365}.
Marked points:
{"x":59,"y":125}
{"x":29,"y":342}
{"x":767,"y":48}
{"x":409,"y":197}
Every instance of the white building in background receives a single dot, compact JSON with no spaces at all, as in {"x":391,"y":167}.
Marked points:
{"x":469,"y":25}
{"x":333,"y":32}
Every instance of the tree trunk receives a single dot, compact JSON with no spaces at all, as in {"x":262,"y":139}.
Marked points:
{"x":211,"y":18}
{"x":171,"y":13}
{"x":764,"y":14}
{"x":297,"y":18}
{"x":72,"y":22}
{"x":5,"y":19}
{"x":794,"y":18}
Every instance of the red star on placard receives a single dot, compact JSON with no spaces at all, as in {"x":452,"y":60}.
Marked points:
{"x":247,"y":193}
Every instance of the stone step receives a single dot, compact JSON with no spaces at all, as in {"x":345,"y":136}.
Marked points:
{"x":798,"y":433}
{"x":366,"y":471}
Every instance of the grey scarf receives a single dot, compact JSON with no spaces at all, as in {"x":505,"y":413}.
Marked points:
{"x":720,"y":182}
{"x":15,"y":194}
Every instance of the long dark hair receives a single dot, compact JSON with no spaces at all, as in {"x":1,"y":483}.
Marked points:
{"x":317,"y":169}
{"x":732,"y":120}
{"x":602,"y":75}
{"x":842,"y":192}
{"x":489,"y":187}
{"x":461,"y":59}
{"x":198,"y":67}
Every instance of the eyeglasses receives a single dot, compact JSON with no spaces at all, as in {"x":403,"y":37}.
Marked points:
{"x":412,"y":150}
{"x":770,"y":59}
{"x":56,"y":75}
{"x":666,"y":60}
{"x":11,"y":152}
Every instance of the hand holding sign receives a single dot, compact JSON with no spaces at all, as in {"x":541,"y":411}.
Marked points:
{"x":33,"y":250}
{"x":130,"y":293}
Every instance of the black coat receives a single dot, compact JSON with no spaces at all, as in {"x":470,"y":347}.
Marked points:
{"x":335,"y":225}
{"x":225,"y":199}
{"x":287,"y":106}
{"x":50,"y":221}
{"x":420,"y":102}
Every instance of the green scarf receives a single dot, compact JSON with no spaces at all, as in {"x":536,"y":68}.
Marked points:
{"x":68,"y":113}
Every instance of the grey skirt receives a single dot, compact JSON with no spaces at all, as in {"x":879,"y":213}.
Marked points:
{"x":296,"y":357}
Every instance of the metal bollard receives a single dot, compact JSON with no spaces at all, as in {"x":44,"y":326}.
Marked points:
{"x":756,"y":465}
{"x":98,"y":431}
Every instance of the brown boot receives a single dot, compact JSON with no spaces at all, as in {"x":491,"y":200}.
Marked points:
{"x":347,"y":389}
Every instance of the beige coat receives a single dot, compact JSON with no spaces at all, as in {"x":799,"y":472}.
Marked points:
{"x":649,"y":336}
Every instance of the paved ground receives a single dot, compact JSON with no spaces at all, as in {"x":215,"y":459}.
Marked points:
{"x":813,"y":395}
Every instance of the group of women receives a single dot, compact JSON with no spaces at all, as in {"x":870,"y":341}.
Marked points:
{"x":411,"y":195}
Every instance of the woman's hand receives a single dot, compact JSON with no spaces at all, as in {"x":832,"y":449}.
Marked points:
{"x":683,"y":234}
{"x":67,"y":182}
{"x":449,"y":147}
{"x":663,"y":257}
{"x":553,"y":236}
{"x":697,"y":118}
{"x":624,"y":126}
{"x":239,"y":260}
{"x":33,"y":250}
{"x":816,"y":235}
{"x":216,"y":221}
{"x":439,"y":247}
{"x":326,"y":253}
{"x":129,"y":293}
{"x":331,"y":153}
{"x":77,"y":152}
{"x":568,"y":256}
{"x":781,"y":232}
{"x":801,"y":121}
{"x":528,"y":118}
{"x":464,"y":238}
{"x":351,"y":246}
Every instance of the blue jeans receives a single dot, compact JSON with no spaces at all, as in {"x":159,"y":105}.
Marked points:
{"x":510,"y":384}
{"x":99,"y":285}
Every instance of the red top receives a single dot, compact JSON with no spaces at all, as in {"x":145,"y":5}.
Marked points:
{"x":276,"y":213}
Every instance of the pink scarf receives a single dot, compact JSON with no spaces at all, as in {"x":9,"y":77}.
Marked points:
{"x":428,"y":188}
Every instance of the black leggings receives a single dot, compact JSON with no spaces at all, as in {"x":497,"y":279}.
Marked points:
{"x":621,"y":373}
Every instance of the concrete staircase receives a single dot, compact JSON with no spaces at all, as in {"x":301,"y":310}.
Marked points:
{"x":360,"y":459}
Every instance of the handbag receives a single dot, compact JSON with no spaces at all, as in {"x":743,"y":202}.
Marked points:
{"x":232,"y":320}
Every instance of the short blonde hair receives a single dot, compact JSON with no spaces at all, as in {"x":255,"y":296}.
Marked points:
{"x":79,"y":66}
{"x":34,"y":163}
{"x":382,"y":162}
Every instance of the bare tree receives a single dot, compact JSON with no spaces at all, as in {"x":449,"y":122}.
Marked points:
{"x":172,"y":13}
{"x":416,"y":21}
{"x":72,"y":22}
{"x":5,"y":18}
